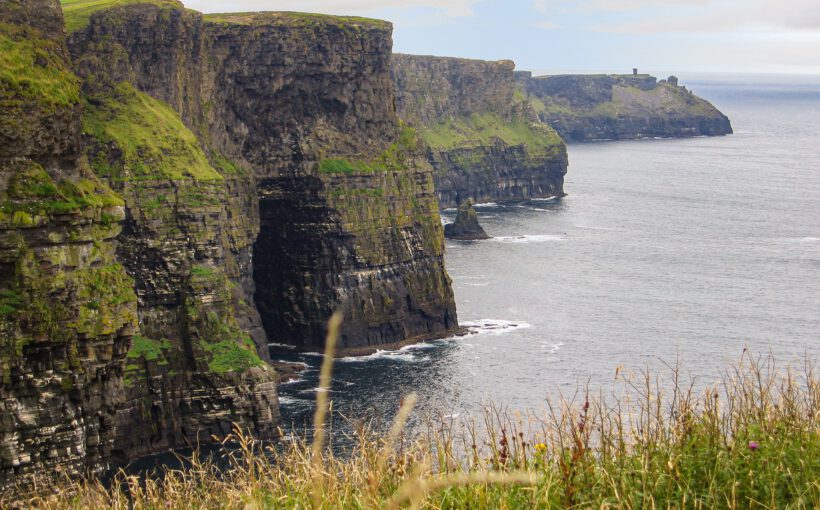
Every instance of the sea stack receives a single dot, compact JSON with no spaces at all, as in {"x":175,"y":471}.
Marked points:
{"x":466,"y":227}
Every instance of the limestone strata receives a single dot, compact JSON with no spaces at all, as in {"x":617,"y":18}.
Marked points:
{"x":620,"y":107}
{"x":67,"y":307}
{"x":483,"y":140}
{"x":207,"y":128}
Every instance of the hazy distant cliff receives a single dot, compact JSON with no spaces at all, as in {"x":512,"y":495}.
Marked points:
{"x":481,"y":140}
{"x":187,"y":188}
{"x":619,"y":107}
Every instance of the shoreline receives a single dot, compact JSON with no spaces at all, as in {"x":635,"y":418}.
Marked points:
{"x":367,"y":350}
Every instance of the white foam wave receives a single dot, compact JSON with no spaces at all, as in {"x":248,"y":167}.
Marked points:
{"x":300,"y":363}
{"x":494,"y":326}
{"x":548,"y":199}
{"x":552,"y":348}
{"x":282,"y":346}
{"x":528,"y":239}
{"x":417,"y":347}
{"x":400,"y":355}
{"x":285,"y":400}
{"x":531,"y":208}
{"x":488,"y":204}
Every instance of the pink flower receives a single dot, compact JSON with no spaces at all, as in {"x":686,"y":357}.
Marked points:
{"x":753,"y":445}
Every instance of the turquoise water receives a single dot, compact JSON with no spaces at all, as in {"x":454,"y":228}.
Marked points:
{"x":663,"y":250}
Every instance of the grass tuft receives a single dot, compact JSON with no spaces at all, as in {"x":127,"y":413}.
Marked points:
{"x":78,"y":13}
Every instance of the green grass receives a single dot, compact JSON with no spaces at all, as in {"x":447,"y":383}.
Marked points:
{"x":295,"y":19}
{"x":148,"y":349}
{"x":10,"y":302}
{"x":31,"y":191}
{"x":394,"y":158}
{"x":484,"y":129}
{"x":77,"y":13}
{"x":229,"y":356}
{"x":751,"y":441}
{"x":153,"y":141}
{"x":32,"y":69}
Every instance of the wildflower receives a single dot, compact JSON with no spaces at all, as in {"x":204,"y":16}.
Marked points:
{"x":540,"y":447}
{"x":753,"y":445}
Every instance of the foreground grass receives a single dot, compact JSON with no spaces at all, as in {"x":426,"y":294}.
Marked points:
{"x":752,"y":441}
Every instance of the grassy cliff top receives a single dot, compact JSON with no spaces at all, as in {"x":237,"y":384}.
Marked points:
{"x":626,"y":100}
{"x":32,"y":69}
{"x":299,"y":19}
{"x":77,"y":13}
{"x":485,"y":128}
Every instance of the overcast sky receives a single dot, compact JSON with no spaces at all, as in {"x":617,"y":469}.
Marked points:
{"x":657,"y":36}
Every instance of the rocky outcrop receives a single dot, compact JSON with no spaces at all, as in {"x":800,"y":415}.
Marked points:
{"x":466,"y":226}
{"x":620,"y":107}
{"x":67,"y":306}
{"x":482,"y":140}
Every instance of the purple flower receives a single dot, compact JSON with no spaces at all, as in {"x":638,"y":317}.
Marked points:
{"x":753,"y":445}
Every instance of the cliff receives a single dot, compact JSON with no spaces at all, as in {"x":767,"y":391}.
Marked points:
{"x":257,"y":165}
{"x":482,"y":141}
{"x":67,"y":306}
{"x":619,"y":107}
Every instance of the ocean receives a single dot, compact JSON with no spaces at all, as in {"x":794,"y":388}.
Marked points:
{"x":664,"y":252}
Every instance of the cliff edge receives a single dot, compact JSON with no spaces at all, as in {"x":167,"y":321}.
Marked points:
{"x":619,"y":107}
{"x":178,"y":191}
{"x":482,"y":142}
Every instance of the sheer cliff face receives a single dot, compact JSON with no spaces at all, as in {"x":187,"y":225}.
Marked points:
{"x":210,"y":127}
{"x":67,"y":307}
{"x":349,"y":216}
{"x":483,"y":141}
{"x":620,"y":107}
{"x":254,"y":159}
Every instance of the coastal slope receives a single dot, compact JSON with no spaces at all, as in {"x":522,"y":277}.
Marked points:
{"x":619,"y":107}
{"x":483,"y":142}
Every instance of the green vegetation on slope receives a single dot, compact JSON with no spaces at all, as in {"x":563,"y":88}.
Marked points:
{"x":394,"y":158}
{"x":31,"y":192}
{"x":77,"y":13}
{"x":295,"y":19}
{"x":32,"y":69}
{"x":483,"y":129}
{"x":153,"y":141}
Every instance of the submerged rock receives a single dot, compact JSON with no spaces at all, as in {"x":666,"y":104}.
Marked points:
{"x":466,"y":226}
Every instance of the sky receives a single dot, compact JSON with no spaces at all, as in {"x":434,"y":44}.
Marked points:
{"x":656,"y":36}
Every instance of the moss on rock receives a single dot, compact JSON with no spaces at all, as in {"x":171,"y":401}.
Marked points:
{"x":149,"y":136}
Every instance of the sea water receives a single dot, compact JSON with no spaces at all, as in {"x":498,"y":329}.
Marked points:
{"x":664,"y":252}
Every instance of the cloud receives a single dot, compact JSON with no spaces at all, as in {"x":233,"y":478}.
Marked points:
{"x":692,"y":16}
{"x":452,"y":8}
{"x":547,"y":25}
{"x":588,"y":6}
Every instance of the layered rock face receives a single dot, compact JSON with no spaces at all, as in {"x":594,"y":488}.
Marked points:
{"x":67,"y":306}
{"x":196,"y":367}
{"x":258,"y":165}
{"x":349,"y":214}
{"x":482,"y":139}
{"x":620,"y":107}
{"x":200,"y":124}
